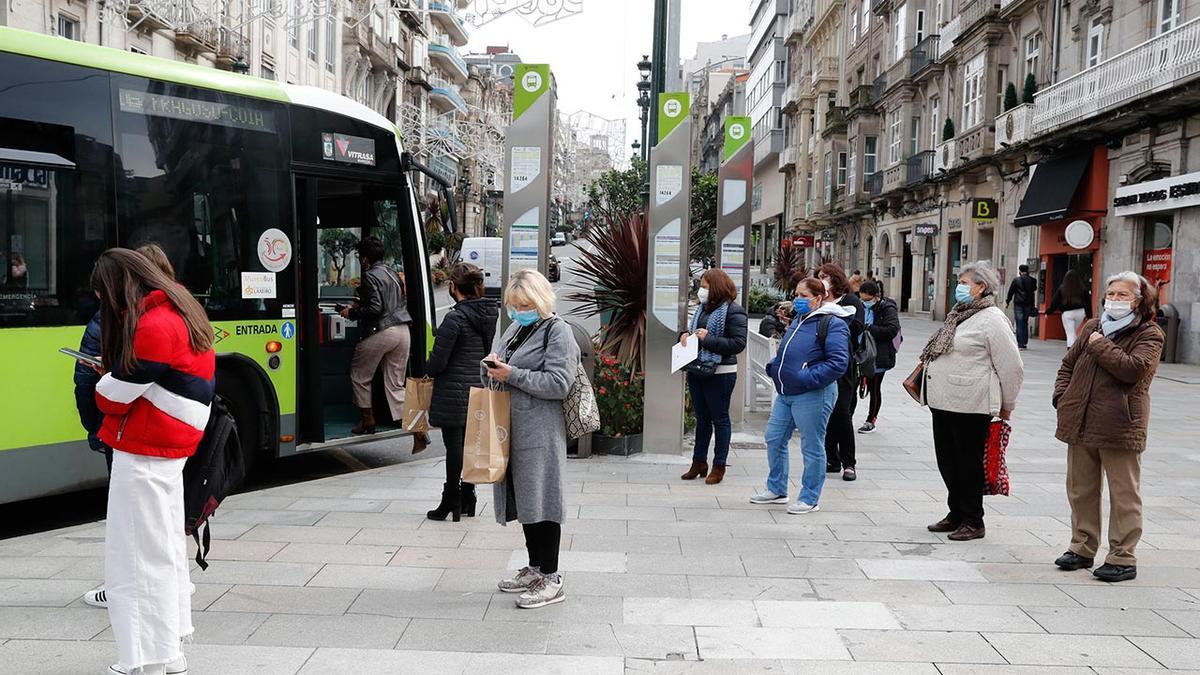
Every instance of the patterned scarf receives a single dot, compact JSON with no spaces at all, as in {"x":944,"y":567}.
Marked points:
{"x":716,"y":328}
{"x":942,"y":341}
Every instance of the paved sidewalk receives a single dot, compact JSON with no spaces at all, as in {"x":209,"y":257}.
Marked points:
{"x":344,"y":575}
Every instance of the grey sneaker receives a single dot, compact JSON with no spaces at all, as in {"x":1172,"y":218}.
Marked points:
{"x":768,"y":497}
{"x":547,"y":590}
{"x":520,"y":583}
{"x":803,"y":507}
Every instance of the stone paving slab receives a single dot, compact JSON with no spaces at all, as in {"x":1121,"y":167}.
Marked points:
{"x":345,"y":575}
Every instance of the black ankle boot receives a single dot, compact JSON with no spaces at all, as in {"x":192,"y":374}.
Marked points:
{"x":450,"y":506}
{"x":468,"y":500}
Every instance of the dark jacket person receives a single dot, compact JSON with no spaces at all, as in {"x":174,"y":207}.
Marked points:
{"x":839,"y":437}
{"x":463,"y":339}
{"x":1102,"y":395}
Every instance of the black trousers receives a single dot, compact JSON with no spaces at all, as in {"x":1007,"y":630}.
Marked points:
{"x":839,"y":434}
{"x":453,"y":438}
{"x":875,"y":386}
{"x":542,"y":541}
{"x":959,"y":440}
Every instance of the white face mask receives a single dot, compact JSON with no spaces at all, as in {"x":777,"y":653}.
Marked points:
{"x":702,"y":296}
{"x":1118,"y":309}
{"x":827,"y":284}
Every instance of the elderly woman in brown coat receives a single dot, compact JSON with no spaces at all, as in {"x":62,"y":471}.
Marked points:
{"x":1102,"y":395}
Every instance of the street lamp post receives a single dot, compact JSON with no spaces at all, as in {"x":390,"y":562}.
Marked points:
{"x":464,"y":187}
{"x":644,"y":69}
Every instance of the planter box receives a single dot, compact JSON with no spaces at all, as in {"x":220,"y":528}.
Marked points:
{"x":616,"y":445}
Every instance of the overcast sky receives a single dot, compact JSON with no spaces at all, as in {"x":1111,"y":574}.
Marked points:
{"x":594,"y":54}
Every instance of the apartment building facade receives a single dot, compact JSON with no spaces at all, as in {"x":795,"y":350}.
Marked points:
{"x":767,"y":61}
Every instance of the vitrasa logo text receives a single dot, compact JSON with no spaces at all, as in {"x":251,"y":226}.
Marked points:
{"x":348,"y":149}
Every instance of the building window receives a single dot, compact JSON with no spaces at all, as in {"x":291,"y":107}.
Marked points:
{"x":973,"y":76}
{"x":68,"y":28}
{"x":314,"y":36}
{"x":870,"y":155}
{"x":1033,"y":50}
{"x":894,"y":138}
{"x":268,"y":73}
{"x":330,"y":43}
{"x":933,"y":121}
{"x":939,"y":13}
{"x":807,"y":187}
{"x":915,"y":136}
{"x":852,"y":175}
{"x":920,"y":25}
{"x":866,"y":17}
{"x":828,"y":177}
{"x":137,"y":50}
{"x":1095,"y":43}
{"x":841,"y":174}
{"x":294,"y":27}
{"x":854,"y":27}
{"x":1001,"y":80}
{"x":898,"y":35}
{"x":1168,"y":15}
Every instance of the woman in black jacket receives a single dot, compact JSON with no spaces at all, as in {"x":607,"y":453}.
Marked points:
{"x":463,"y":339}
{"x":839,"y":435}
{"x":720,"y":325}
{"x":883,"y":323}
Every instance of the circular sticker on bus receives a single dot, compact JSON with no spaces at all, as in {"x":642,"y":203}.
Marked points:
{"x":274,"y":250}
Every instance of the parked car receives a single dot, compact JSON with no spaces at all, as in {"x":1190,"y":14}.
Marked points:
{"x":559,"y":239}
{"x":487,"y":254}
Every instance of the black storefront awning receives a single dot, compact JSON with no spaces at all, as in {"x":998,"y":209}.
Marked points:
{"x":1051,"y":189}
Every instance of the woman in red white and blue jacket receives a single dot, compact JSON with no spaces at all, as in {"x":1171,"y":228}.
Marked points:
{"x":157,"y":345}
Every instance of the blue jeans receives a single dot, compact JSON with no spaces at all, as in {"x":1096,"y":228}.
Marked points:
{"x":809,"y":412}
{"x":1021,"y":315}
{"x":710,"y":402}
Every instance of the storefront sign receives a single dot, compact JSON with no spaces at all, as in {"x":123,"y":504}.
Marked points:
{"x":1156,"y":265}
{"x":1079,"y":234}
{"x":828,"y":235}
{"x":984,"y":209}
{"x":1176,"y":192}
{"x":954,"y":224}
{"x":925,"y":230}
{"x":803,"y":241}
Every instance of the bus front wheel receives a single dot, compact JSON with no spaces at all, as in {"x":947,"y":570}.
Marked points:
{"x":244,"y":396}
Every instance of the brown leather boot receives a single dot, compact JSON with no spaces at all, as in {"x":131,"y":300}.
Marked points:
{"x":698,"y":470}
{"x":367,"y":425}
{"x":718,"y":472}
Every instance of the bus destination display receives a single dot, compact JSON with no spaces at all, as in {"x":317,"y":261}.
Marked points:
{"x":192,"y":110}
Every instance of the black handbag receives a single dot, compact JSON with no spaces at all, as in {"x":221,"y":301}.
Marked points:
{"x":701,"y":369}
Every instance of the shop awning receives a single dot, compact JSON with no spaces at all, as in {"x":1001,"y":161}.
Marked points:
{"x":1051,"y":189}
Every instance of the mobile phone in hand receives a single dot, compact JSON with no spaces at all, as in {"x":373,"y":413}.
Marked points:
{"x":491,"y":364}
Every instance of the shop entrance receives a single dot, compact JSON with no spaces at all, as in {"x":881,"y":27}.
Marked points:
{"x":906,"y":274}
{"x":954,"y":252}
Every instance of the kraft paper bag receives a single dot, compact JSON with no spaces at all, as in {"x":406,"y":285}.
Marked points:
{"x":418,"y":396}
{"x":485,"y":448}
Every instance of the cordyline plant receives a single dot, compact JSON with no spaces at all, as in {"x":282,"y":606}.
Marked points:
{"x":611,"y":273}
{"x":788,"y":261}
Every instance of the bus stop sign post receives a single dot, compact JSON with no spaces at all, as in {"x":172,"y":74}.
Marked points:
{"x":667,"y":276}
{"x":733,"y":226}
{"x":528,"y":157}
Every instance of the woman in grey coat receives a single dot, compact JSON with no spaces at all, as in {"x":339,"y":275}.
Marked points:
{"x":536,"y":358}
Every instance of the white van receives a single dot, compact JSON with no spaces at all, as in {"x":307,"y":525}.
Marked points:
{"x":486,"y":253}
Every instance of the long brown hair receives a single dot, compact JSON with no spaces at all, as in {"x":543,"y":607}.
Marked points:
{"x":721,"y":288}
{"x":156,"y":255}
{"x":123,"y":278}
{"x":838,"y":283}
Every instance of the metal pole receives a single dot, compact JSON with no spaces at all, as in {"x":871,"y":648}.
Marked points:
{"x":658,"y":71}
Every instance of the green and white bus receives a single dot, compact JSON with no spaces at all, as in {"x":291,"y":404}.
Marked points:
{"x":255,"y":189}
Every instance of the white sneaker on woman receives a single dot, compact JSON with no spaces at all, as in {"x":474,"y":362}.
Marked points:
{"x":768,"y":497}
{"x":803,"y":507}
{"x":96,"y":598}
{"x":520,"y":583}
{"x":177,"y":667}
{"x":547,"y":590}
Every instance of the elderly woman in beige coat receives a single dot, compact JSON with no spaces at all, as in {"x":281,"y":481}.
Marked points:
{"x":973,"y":373}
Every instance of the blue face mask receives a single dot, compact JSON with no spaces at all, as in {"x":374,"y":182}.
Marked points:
{"x":525,"y":318}
{"x":962,"y":294}
{"x":802,"y":306}
{"x":869,"y":303}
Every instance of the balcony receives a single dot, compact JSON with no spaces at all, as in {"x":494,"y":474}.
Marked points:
{"x":787,"y":158}
{"x":446,"y":55}
{"x":444,"y":96}
{"x":1012,"y":127}
{"x":824,"y":68}
{"x":948,"y":34}
{"x":446,"y":17}
{"x":976,"y":11}
{"x":791,"y":97}
{"x":874,"y":184}
{"x":978,"y":141}
{"x":945,"y":156}
{"x":895,"y":176}
{"x":924,"y":55}
{"x":799,"y":21}
{"x":835,"y":120}
{"x":918,"y":167}
{"x":232,"y":44}
{"x":1158,"y":64}
{"x":146,"y":18}
{"x":862,"y":100}
{"x":202,"y":35}
{"x":880,"y":6}
{"x":879,"y":88}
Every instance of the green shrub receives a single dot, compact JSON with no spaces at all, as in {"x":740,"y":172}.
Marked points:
{"x":762,"y":299}
{"x":948,"y":130}
{"x":1010,"y":97}
{"x":1030,"y":88}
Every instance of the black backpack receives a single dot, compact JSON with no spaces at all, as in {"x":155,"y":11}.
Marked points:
{"x":864,"y":355}
{"x":210,"y":475}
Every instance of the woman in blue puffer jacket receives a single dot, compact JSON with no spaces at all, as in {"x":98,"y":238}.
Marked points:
{"x":813,"y":354}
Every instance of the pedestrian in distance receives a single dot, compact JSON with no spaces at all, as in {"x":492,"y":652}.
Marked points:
{"x":381,"y":310}
{"x":855,"y":281}
{"x":86,"y":378}
{"x":1074,"y":300}
{"x":464,"y":337}
{"x":813,"y":355}
{"x":839,"y":438}
{"x":973,"y":373}
{"x":157,"y":345}
{"x":536,"y":359}
{"x":720,"y":325}
{"x":776,"y":322}
{"x":1022,"y":297}
{"x":1102,"y":395}
{"x":882,"y":319}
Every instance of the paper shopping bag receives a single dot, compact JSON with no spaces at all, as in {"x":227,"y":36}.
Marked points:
{"x":418,"y":395}
{"x":485,"y":448}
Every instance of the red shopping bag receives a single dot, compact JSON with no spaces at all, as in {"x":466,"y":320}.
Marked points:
{"x":995,"y":470}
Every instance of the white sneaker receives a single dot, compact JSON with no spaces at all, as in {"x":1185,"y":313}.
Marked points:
{"x":768,"y":497}
{"x":96,"y":598}
{"x":520,"y":583}
{"x":547,"y":590}
{"x":177,"y":667}
{"x":802,"y":507}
